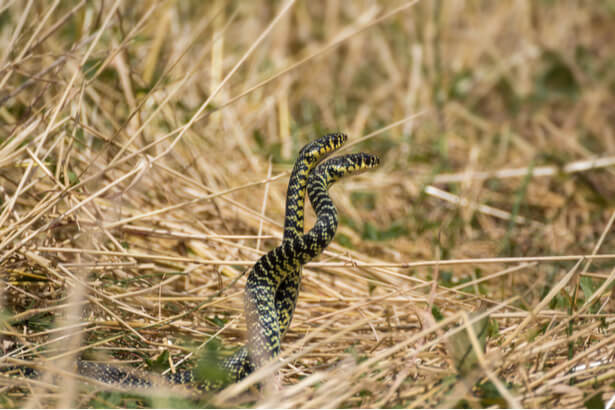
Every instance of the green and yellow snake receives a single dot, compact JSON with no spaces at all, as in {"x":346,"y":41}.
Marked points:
{"x":273,"y":282}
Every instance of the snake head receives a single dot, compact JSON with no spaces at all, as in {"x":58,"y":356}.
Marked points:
{"x":316,"y":150}
{"x":338,"y":167}
{"x":362,"y":161}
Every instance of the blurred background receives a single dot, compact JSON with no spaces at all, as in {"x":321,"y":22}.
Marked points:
{"x":145,"y":149}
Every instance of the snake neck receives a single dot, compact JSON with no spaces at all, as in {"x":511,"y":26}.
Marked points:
{"x":309,"y":156}
{"x":318,"y":238}
{"x":295,"y":199}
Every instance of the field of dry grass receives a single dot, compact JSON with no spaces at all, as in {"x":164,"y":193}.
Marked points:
{"x":145,"y":149}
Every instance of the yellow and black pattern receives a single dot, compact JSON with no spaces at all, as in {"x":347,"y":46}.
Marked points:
{"x":264,"y":333}
{"x":273,"y":283}
{"x":308,"y":158}
{"x":320,"y":179}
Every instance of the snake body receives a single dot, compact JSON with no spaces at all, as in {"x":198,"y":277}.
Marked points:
{"x":288,"y":291}
{"x":273,"y":282}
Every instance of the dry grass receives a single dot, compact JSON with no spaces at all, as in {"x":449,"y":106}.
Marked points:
{"x":144,"y":156}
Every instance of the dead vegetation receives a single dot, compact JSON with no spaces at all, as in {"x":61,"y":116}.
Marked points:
{"x":144,"y":157}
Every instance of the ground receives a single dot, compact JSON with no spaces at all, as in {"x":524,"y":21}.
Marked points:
{"x":145,"y":149}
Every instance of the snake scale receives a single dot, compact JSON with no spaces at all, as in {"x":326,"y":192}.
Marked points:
{"x":272,"y":286}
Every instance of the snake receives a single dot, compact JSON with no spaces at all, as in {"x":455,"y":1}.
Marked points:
{"x":272,"y":285}
{"x":264,"y":327}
